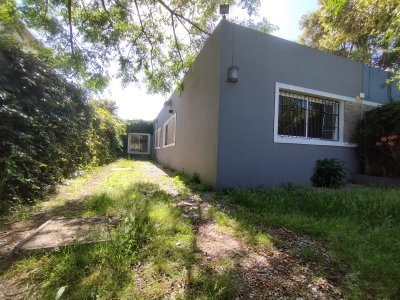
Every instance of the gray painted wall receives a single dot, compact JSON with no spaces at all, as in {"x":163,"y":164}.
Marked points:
{"x":196,"y":117}
{"x":225,"y":131}
{"x":247,"y":154}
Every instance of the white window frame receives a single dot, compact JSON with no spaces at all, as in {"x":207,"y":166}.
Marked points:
{"x":312,"y":141}
{"x":173,"y":135}
{"x":129,"y":143}
{"x":157,"y":138}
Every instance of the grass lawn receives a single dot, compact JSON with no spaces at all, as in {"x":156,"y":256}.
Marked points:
{"x":152,"y":253}
{"x":360,"y":228}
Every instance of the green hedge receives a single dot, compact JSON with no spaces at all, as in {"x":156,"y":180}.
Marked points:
{"x":48,"y":128}
{"x":379,"y":140}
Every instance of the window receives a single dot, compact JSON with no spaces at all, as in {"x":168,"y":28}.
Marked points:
{"x":157,"y":136}
{"x":169,"y":129}
{"x":138,"y":143}
{"x":308,"y":116}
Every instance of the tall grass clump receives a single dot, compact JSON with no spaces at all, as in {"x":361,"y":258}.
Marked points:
{"x":360,"y":226}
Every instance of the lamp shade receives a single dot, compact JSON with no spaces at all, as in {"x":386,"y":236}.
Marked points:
{"x":233,"y":74}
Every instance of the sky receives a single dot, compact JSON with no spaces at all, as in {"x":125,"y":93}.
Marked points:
{"x":134,"y":103}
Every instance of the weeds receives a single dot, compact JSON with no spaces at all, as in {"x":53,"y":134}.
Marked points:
{"x":149,"y":254}
{"x":360,"y":227}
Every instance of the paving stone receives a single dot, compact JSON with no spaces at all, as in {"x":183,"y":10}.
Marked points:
{"x":65,"y":231}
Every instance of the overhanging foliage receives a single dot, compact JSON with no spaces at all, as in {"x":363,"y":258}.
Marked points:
{"x":157,"y":39}
{"x":367,"y":31}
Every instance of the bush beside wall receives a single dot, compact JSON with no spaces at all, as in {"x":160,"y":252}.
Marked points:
{"x":48,"y":128}
{"x":379,"y":141}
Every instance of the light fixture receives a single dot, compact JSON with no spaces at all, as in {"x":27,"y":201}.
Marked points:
{"x":224,"y":10}
{"x":233,"y":74}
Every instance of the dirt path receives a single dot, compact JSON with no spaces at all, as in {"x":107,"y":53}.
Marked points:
{"x":277,"y":273}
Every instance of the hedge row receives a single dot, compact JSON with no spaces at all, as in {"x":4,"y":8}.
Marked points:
{"x":48,"y":128}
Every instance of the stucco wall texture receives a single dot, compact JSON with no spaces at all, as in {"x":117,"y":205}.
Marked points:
{"x":196,"y":109}
{"x":225,"y":131}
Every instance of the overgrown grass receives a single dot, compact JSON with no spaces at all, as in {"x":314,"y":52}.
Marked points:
{"x":70,"y":189}
{"x":360,"y":226}
{"x":150,"y":254}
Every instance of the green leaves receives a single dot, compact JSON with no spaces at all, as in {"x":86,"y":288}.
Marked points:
{"x":378,"y":123}
{"x":364,"y":30}
{"x":48,"y":129}
{"x":155,"y":38}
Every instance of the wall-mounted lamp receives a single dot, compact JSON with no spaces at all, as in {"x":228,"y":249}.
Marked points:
{"x":224,"y":10}
{"x":171,"y":111}
{"x":233,"y":74}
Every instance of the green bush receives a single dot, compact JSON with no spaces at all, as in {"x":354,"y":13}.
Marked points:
{"x":329,"y":173}
{"x":379,"y":140}
{"x":48,"y":128}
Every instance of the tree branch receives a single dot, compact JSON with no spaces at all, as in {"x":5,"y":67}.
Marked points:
{"x":145,"y":34}
{"x":69,"y":7}
{"x":176,"y":40}
{"x":178,"y":15}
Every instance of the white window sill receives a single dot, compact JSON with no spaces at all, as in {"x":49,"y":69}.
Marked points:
{"x":144,"y":153}
{"x":309,"y":141}
{"x":170,"y":145}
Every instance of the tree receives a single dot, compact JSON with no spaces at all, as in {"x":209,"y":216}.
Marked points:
{"x":367,"y":31}
{"x":157,"y":38}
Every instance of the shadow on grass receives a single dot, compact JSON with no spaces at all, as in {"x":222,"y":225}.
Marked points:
{"x":358,"y":227}
{"x":151,"y":253}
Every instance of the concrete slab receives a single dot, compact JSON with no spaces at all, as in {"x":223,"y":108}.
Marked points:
{"x":66,"y":231}
{"x":121,"y":169}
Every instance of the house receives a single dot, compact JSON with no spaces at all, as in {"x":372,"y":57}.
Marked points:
{"x":284,"y":106}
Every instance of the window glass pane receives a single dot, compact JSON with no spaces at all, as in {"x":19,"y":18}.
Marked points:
{"x":169,"y":131}
{"x":144,"y":143}
{"x":139,"y":143}
{"x":156,"y":139}
{"x":135,"y":143}
{"x":292,"y":116}
{"x":329,"y":127}
{"x":307,"y":116}
{"x":315,"y":119}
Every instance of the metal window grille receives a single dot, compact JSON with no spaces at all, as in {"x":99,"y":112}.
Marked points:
{"x":308,"y":116}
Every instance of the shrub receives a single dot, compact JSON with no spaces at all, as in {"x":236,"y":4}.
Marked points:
{"x":378,"y":140}
{"x":48,"y":128}
{"x":329,"y":173}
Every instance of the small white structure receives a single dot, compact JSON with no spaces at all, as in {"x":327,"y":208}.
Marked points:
{"x":139,"y":143}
